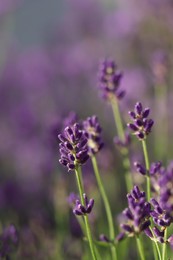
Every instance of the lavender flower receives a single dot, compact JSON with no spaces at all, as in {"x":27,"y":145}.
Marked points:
{"x":154,"y":168}
{"x":159,"y":215}
{"x":9,"y":240}
{"x":155,"y":234}
{"x":80,"y":209}
{"x":164,"y":186}
{"x":73,"y":147}
{"x":141,"y":125}
{"x":92,"y":132}
{"x":109,"y":80}
{"x":136,"y":215}
{"x":104,"y":238}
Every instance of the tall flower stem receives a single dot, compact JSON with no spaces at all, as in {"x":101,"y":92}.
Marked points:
{"x":106,"y":205}
{"x":140,"y":248}
{"x":88,"y":230}
{"x":156,"y":246}
{"x":124,"y":150}
{"x":161,"y":133}
{"x":144,"y":146}
{"x":164,"y":246}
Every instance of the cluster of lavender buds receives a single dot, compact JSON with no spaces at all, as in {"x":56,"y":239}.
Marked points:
{"x":159,"y":215}
{"x":92,"y":131}
{"x":8,"y":240}
{"x":165,"y":188}
{"x":141,"y":125}
{"x":154,"y":168}
{"x":136,"y":215}
{"x":109,"y":80}
{"x":80,"y":209}
{"x":73,"y":147}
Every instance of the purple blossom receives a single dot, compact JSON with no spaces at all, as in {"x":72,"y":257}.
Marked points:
{"x":9,"y":240}
{"x":109,"y":80}
{"x":136,"y":215}
{"x":155,"y":234}
{"x":159,"y":215}
{"x":141,"y":125}
{"x":154,"y":168}
{"x":92,"y":131}
{"x":73,"y":147}
{"x":164,"y":186}
{"x":80,"y":209}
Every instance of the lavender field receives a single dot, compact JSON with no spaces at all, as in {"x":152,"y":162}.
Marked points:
{"x":86,"y":151}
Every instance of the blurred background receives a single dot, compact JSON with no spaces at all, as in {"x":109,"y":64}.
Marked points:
{"x":49,"y":57}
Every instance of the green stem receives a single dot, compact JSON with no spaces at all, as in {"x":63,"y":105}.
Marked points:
{"x":144,"y":146}
{"x":156,"y":245}
{"x":87,"y":226}
{"x":124,"y":150}
{"x":140,"y":248}
{"x":161,"y":133}
{"x":164,"y":246}
{"x":106,"y":205}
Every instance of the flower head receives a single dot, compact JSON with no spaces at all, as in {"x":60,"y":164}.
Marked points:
{"x":92,"y":130}
{"x":159,"y":215}
{"x":141,"y":125}
{"x":73,"y":147}
{"x":137,"y":214}
{"x":83,"y":209}
{"x":109,"y":80}
{"x":9,"y":240}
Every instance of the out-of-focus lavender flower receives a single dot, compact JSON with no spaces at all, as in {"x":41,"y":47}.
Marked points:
{"x":8,"y":5}
{"x":92,"y":131}
{"x":83,"y":209}
{"x":104,"y":238}
{"x":72,"y":198}
{"x":9,"y":240}
{"x":165,"y":188}
{"x":170,"y":241}
{"x":136,"y":215}
{"x":141,"y":125}
{"x":160,"y":66}
{"x":73,"y":147}
{"x":154,"y":168}
{"x":159,"y":215}
{"x":71,"y":119}
{"x":122,"y":143}
{"x":109,"y":80}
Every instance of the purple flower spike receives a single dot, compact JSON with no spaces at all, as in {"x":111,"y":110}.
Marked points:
{"x":141,"y":125}
{"x":160,"y":216}
{"x":155,"y":167}
{"x":137,"y":214}
{"x":73,"y":147}
{"x":140,"y":168}
{"x":109,"y":80}
{"x":80,"y":209}
{"x":104,"y":238}
{"x":9,"y":241}
{"x":92,"y":131}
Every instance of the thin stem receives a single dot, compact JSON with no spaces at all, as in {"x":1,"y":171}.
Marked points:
{"x":124,"y":150}
{"x":87,"y":226}
{"x":140,"y":248}
{"x":144,"y":146}
{"x":156,"y":244}
{"x":164,"y":245}
{"x":106,"y":205}
{"x":161,"y":133}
